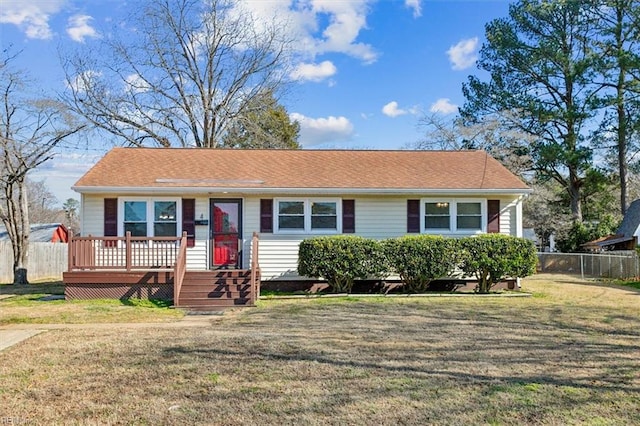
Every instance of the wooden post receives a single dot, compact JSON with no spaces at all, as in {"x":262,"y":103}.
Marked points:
{"x":70,"y":252}
{"x":128,"y":251}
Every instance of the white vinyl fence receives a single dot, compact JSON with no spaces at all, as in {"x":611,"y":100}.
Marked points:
{"x":610,"y":265}
{"x":46,"y":261}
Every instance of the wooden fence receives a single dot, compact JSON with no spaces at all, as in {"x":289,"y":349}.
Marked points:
{"x":46,"y":261}
{"x":610,"y":265}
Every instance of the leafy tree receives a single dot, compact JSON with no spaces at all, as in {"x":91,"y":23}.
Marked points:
{"x":30,"y":129}
{"x":540,"y":64}
{"x":618,"y":45}
{"x":182,"y":73}
{"x":263,"y":124}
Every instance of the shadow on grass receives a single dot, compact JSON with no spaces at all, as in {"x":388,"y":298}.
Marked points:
{"x":49,"y":287}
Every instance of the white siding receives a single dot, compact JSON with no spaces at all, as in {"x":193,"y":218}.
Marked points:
{"x":375,"y":217}
{"x":508,"y":221}
{"x":92,"y":215}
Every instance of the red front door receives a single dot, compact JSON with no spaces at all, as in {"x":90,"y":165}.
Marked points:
{"x":226,"y":233}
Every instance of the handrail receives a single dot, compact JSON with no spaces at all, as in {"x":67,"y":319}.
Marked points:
{"x":180,"y":269}
{"x":122,"y":253}
{"x":255,"y":269}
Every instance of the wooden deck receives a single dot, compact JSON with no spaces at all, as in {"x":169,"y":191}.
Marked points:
{"x":121,"y":268}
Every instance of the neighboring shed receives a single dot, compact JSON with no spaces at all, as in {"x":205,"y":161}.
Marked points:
{"x":42,"y":233}
{"x":627,"y":237}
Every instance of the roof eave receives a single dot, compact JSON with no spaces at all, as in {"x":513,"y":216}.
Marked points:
{"x":254,"y":190}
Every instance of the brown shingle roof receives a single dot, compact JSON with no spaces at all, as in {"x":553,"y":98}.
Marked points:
{"x":129,"y":168}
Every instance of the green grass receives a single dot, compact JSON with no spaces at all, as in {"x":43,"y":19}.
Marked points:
{"x":25,"y":305}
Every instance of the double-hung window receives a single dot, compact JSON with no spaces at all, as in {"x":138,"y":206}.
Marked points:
{"x":454,"y":216}
{"x":308,"y":215}
{"x":148,"y":217}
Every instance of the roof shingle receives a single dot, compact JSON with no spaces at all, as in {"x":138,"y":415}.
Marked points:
{"x":313,"y":169}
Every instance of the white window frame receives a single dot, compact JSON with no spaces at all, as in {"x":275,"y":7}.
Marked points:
{"x":453,"y":216}
{"x":150,"y":213}
{"x":307,"y":216}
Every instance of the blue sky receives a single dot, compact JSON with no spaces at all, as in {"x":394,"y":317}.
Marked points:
{"x":366,"y":74}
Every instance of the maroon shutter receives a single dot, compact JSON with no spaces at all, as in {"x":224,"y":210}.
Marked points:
{"x":348,"y":216}
{"x":266,"y":216}
{"x":110,"y":220}
{"x":493,"y":216}
{"x":189,"y":220}
{"x":413,"y":216}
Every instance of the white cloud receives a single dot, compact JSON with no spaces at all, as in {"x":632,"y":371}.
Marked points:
{"x":393,"y":110}
{"x":319,"y":26}
{"x":464,"y":54}
{"x":82,"y":81}
{"x":78,"y":28}
{"x":314,"y":72}
{"x":443,"y":106}
{"x":136,"y":84}
{"x":32,"y":16}
{"x":415,"y":5}
{"x":316,"y":131}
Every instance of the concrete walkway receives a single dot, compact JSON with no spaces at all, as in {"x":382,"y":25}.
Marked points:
{"x":16,"y":333}
{"x":9,"y":338}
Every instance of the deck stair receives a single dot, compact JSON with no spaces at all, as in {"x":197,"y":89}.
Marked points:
{"x":216,"y":290}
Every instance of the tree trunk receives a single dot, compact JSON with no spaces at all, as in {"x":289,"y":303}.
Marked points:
{"x":21,"y":255}
{"x":573,"y":189}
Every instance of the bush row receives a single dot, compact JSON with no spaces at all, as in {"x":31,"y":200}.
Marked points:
{"x":418,"y":260}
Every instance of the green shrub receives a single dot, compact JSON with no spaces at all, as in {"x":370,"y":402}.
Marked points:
{"x":420,"y":259}
{"x":491,"y":258}
{"x":341,"y":259}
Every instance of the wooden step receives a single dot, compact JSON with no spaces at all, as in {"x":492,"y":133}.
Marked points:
{"x":215,"y":294}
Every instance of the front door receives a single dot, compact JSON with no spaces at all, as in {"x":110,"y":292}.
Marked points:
{"x":226,"y":233}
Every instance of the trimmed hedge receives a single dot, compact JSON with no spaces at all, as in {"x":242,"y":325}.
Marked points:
{"x":490,"y":258}
{"x":341,"y":259}
{"x":420,"y":259}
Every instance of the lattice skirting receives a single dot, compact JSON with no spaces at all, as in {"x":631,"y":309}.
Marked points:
{"x":118,"y":291}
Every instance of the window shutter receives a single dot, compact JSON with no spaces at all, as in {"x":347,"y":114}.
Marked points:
{"x":493,"y":216}
{"x":266,"y":216}
{"x":189,"y":220}
{"x":110,"y":220}
{"x":413,"y":216}
{"x":348,"y":216}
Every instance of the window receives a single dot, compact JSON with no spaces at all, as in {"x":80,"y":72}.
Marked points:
{"x":135,"y":218}
{"x":462,"y":216}
{"x":324,"y":215}
{"x":308,"y":215}
{"x":291,"y":215}
{"x":145,"y":217}
{"x":165,"y":222}
{"x":437,"y":216}
{"x":469,"y":216}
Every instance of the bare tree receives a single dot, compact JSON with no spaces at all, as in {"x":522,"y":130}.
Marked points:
{"x":509,"y":146}
{"x":30,"y":129}
{"x":180,"y":74}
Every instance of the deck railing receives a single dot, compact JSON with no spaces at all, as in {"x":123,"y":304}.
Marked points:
{"x":123,"y":253}
{"x":180,"y":269}
{"x":255,"y":269}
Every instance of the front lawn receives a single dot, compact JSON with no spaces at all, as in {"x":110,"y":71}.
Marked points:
{"x":43,"y":303}
{"x":567,"y":355}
